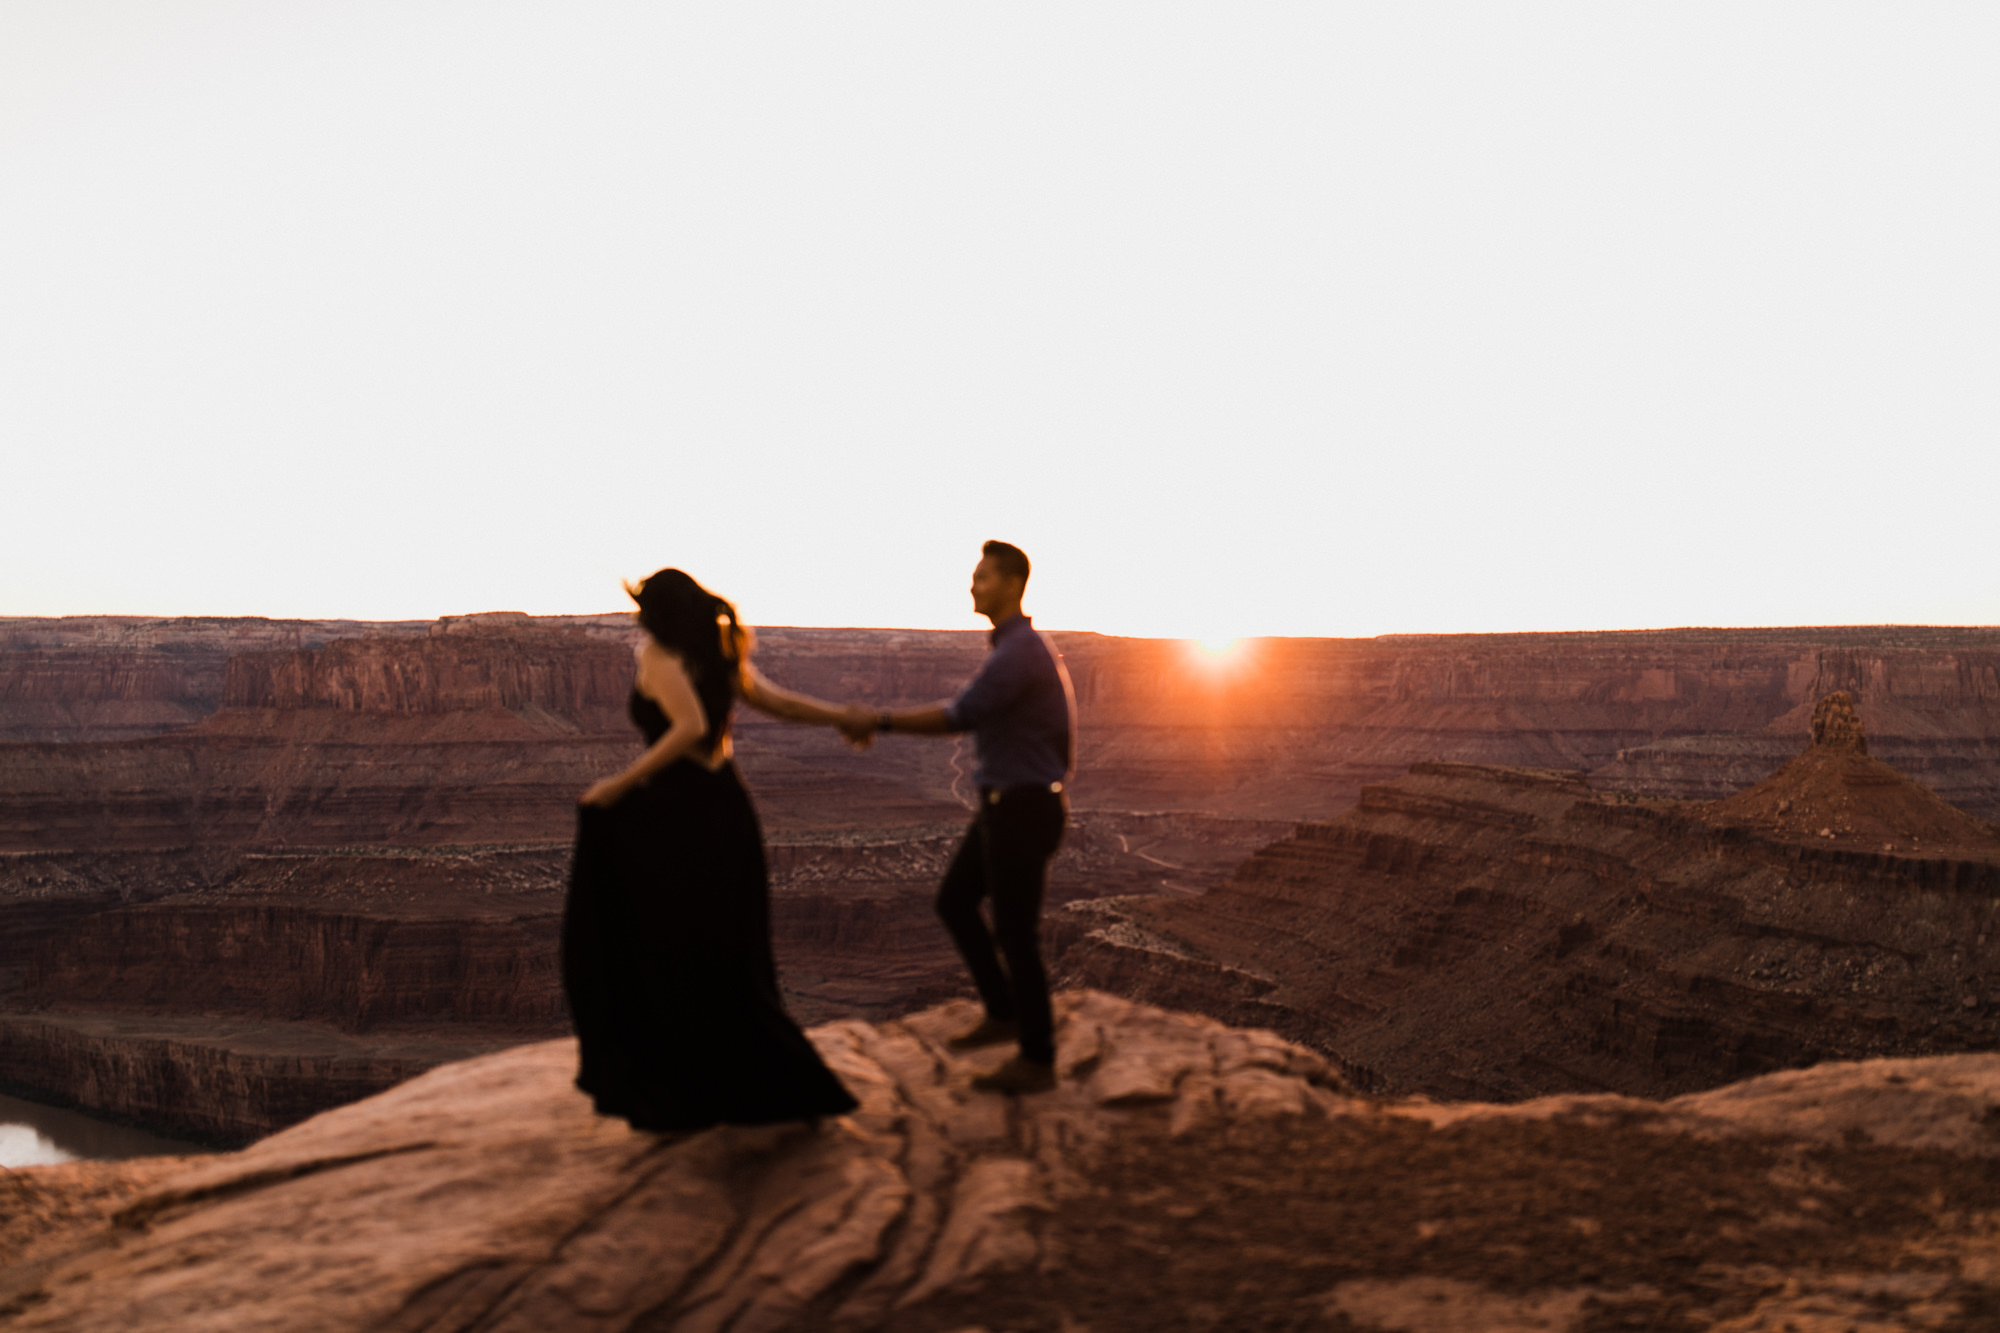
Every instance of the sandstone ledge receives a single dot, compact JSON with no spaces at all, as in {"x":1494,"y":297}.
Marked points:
{"x":1185,"y":1175}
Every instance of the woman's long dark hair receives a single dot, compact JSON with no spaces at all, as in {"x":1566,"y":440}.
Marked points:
{"x":701,"y":628}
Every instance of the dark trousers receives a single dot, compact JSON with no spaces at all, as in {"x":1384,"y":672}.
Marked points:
{"x":1005,"y":857}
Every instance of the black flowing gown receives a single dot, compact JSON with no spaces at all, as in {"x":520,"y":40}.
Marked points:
{"x":666,"y":956}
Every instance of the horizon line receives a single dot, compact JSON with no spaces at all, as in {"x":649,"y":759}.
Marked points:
{"x":941,"y":629}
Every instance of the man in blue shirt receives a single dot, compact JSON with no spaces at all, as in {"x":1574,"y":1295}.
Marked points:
{"x":1022,"y":713}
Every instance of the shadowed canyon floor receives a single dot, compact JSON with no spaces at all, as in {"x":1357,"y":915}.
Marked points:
{"x":1185,"y":1175}
{"x":308,"y":978}
{"x":1501,"y":933}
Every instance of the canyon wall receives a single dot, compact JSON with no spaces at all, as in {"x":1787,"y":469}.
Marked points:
{"x":1293,"y":728}
{"x":478,"y":734}
{"x":359,"y":831}
{"x":243,"y":781}
{"x":1278,"y":728}
{"x":1301,"y":725}
{"x":105,"y":694}
{"x":1931,"y":706}
{"x":565,"y":675}
{"x":46,"y":897}
{"x":106,"y":678}
{"x":356,"y":973}
{"x":220,"y":1082}
{"x":370,"y":939}
{"x":1514,"y":932}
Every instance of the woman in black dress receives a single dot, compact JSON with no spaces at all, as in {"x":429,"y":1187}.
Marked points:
{"x":666,"y":947}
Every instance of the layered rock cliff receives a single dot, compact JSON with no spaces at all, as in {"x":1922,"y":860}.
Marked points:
{"x":354,"y":972}
{"x":398,"y":739}
{"x":355,"y":937}
{"x":104,"y":678}
{"x":1931,"y":706}
{"x":1293,"y":728}
{"x":215,"y":1078}
{"x":348,"y":949}
{"x":1184,"y":1175}
{"x":104,"y":694}
{"x":464,"y":737}
{"x":1278,"y":729}
{"x":43,"y":893}
{"x":563,"y":676}
{"x":1504,"y":933}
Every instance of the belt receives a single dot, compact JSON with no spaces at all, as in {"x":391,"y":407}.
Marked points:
{"x":992,"y":795}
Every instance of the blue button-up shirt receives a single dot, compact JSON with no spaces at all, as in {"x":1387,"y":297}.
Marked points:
{"x":1020,"y":709}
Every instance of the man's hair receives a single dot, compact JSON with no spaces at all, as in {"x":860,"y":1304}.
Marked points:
{"x":1009,"y":559}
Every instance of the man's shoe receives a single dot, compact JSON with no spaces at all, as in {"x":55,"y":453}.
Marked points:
{"x":990,"y":1032}
{"x":1018,"y":1076}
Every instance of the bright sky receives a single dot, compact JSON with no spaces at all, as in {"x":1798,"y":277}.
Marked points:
{"x":1241,"y":319}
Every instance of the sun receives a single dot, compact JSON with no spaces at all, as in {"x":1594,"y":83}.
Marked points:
{"x":1215,"y":651}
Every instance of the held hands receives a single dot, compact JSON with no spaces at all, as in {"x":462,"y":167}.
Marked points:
{"x":858,"y":724}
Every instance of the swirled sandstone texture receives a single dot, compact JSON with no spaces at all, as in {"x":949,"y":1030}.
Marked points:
{"x":1185,"y":1175}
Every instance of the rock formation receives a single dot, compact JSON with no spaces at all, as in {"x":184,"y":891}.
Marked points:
{"x":1836,"y":792}
{"x":1835,"y":724}
{"x":1506,"y":933}
{"x":1929,"y":712}
{"x":1184,"y":1175}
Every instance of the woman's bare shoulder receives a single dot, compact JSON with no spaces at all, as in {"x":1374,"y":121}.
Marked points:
{"x":657,"y":662}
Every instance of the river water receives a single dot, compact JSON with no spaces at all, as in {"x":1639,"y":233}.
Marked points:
{"x":35,"y":1135}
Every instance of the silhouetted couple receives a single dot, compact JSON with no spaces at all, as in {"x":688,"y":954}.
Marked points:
{"x":666,"y":948}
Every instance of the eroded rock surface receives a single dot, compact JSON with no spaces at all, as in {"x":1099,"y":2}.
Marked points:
{"x":1185,"y":1175}
{"x":486,"y":1194}
{"x":1836,"y":725}
{"x":1504,"y":933}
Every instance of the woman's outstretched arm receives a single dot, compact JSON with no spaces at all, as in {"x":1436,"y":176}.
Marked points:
{"x":789,"y":705}
{"x":665,"y":681}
